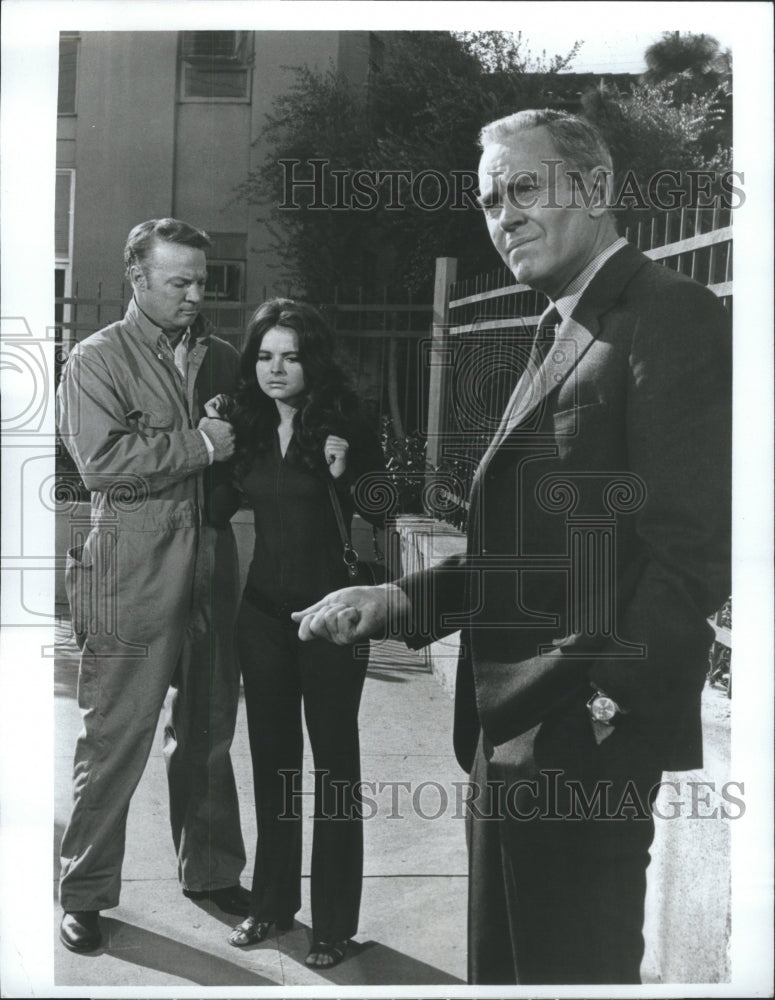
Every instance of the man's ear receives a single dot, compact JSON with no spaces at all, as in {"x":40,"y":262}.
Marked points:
{"x":602,"y":191}
{"x":137,"y":277}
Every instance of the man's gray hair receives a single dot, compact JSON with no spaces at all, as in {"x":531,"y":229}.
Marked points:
{"x":140,"y":241}
{"x":578,"y":142}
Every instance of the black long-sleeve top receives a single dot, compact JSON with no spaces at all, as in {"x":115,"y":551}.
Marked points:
{"x":297,"y":557}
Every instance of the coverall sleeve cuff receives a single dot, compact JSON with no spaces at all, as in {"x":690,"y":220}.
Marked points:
{"x":209,"y":446}
{"x":197,"y":455}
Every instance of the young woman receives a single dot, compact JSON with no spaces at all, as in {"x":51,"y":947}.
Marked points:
{"x":299,"y":427}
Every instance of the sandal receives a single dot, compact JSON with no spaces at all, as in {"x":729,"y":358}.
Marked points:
{"x":326,"y":956}
{"x":252,"y":931}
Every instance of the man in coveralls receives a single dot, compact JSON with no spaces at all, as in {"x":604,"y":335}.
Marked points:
{"x":154,"y":588}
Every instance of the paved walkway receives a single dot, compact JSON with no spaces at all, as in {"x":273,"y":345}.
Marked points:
{"x":413,"y":919}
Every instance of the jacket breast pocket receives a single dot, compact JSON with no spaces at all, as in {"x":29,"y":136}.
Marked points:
{"x":589,"y":436}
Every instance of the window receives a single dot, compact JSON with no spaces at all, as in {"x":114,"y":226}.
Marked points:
{"x":68,"y":66}
{"x":215,"y":65}
{"x":226,"y":267}
{"x":63,"y":214}
{"x":63,"y":245}
{"x":60,"y":284}
{"x":225,"y":288}
{"x":225,"y":280}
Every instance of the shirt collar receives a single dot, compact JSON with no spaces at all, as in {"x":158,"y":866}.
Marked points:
{"x":181,"y":344}
{"x":571,"y":295}
{"x":154,"y":336}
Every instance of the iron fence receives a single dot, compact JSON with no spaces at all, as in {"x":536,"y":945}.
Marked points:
{"x":377,"y":342}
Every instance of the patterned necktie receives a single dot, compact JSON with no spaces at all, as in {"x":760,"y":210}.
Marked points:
{"x":545,"y":334}
{"x":542,"y":344}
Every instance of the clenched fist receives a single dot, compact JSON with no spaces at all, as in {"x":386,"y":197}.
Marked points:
{"x":335,"y":450}
{"x":221,"y":435}
{"x":219,"y":406}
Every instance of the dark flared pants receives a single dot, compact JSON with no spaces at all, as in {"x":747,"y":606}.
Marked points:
{"x":280,"y":673}
{"x":559,"y":836}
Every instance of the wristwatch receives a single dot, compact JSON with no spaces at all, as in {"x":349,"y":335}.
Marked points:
{"x":603,"y":709}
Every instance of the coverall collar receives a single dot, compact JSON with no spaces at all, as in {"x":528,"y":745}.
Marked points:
{"x":150,"y":333}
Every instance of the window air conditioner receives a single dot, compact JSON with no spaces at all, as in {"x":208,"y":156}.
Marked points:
{"x":213,"y":46}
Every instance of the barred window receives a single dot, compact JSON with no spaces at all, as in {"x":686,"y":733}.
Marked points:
{"x":226,"y":267}
{"x":63,"y":213}
{"x":225,"y":280}
{"x":215,"y":65}
{"x":68,"y":67}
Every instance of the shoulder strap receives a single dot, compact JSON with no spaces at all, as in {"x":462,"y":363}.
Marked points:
{"x":349,"y":555}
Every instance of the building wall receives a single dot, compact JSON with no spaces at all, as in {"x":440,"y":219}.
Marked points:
{"x":212,"y":156}
{"x":139,"y":152}
{"x":124,"y":144}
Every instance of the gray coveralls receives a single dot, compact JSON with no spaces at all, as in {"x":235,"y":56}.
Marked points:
{"x":154,"y":594}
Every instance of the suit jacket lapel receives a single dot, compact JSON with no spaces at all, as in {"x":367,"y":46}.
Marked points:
{"x":574,"y":337}
{"x":571,"y":341}
{"x":513,"y":696}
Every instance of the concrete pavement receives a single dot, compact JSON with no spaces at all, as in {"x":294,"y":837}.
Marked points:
{"x":413,"y":911}
{"x":413,"y":914}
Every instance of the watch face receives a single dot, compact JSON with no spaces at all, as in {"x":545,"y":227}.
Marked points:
{"x":603,"y":709}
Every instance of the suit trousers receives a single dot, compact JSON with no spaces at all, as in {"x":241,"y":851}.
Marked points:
{"x":146,"y":646}
{"x":559,"y":830}
{"x":279,"y":673}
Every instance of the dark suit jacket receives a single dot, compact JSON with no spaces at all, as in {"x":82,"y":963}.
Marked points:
{"x":599,"y":530}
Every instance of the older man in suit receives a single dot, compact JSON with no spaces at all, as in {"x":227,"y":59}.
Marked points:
{"x":598,"y":544}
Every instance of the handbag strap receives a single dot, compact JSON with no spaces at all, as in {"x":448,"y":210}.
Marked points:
{"x":379,"y":555}
{"x":349,"y":555}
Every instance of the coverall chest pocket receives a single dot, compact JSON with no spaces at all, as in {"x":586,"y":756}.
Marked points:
{"x":156,"y":419}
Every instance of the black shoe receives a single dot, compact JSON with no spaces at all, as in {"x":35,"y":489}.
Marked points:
{"x":80,"y":930}
{"x":252,"y":931}
{"x":232,"y":899}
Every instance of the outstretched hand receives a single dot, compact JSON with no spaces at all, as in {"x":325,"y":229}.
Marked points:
{"x":353,"y":614}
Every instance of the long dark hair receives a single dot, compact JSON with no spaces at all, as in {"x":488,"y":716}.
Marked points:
{"x":329,"y":407}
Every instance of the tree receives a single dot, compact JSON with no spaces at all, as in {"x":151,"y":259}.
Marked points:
{"x":648,"y":134}
{"x":417,"y":124}
{"x":647,"y":131}
{"x":435,"y":93}
{"x":503,"y":51}
{"x":319,"y":117}
{"x":677,"y":118}
{"x":695,"y":65}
